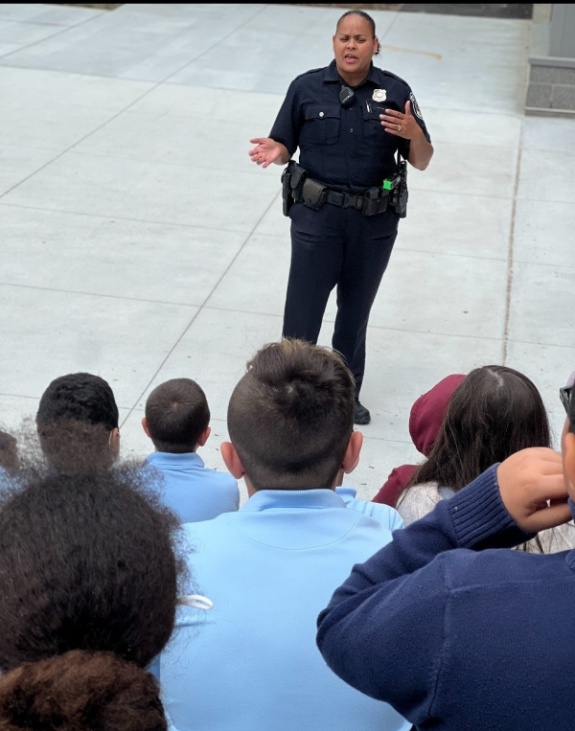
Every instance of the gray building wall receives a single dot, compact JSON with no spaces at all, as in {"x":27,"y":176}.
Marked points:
{"x":551,"y":88}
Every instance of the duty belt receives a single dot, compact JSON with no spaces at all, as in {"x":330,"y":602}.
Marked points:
{"x":298,"y":187}
{"x":344,"y":200}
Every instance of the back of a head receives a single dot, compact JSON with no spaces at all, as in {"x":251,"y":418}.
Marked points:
{"x":80,"y":691}
{"x":89,"y":576}
{"x":177,"y":413}
{"x":428,"y":412}
{"x":495,"y":412}
{"x":76,"y":417}
{"x":291,"y":416}
{"x":86,"y":562}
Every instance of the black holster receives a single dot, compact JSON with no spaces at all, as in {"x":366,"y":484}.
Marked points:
{"x":287,"y":198}
{"x":374,"y":202}
{"x":399,"y":194}
{"x":293,"y":179}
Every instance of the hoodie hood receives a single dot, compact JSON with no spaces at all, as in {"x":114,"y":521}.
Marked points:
{"x":428,"y":411}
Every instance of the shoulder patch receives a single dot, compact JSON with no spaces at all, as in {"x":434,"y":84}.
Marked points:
{"x":415,"y":106}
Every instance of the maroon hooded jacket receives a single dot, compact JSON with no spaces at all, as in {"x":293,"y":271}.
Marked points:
{"x":425,"y":422}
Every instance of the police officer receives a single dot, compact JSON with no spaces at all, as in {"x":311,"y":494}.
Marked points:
{"x":349,"y":121}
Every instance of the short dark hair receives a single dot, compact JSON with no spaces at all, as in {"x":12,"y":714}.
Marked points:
{"x":290,"y":417}
{"x":86,"y":563}
{"x":81,"y":397}
{"x":75,"y":416}
{"x":494,"y":412}
{"x":177,"y":413}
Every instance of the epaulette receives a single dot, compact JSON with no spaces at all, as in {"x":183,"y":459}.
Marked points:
{"x":311,"y":71}
{"x":394,"y":76}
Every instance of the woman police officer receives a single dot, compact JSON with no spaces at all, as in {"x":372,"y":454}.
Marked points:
{"x":348,"y":120}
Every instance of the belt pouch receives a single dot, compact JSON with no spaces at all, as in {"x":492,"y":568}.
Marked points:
{"x":313,"y":194}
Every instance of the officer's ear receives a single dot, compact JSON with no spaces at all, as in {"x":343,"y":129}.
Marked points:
{"x":377,"y":46}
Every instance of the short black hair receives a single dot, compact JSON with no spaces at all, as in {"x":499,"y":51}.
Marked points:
{"x":290,"y":417}
{"x":177,"y":413}
{"x":79,"y":396}
{"x":75,"y":416}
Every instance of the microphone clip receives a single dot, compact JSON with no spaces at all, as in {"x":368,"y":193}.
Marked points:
{"x":346,"y":96}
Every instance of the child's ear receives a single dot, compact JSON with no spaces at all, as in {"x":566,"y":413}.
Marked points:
{"x":232,"y":460}
{"x":145,"y":426}
{"x":351,"y":457}
{"x":114,"y":442}
{"x":203,"y":438}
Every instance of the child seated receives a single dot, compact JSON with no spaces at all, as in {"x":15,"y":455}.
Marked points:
{"x":176,"y":420}
{"x":8,"y":452}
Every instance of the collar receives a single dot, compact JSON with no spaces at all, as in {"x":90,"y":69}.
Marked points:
{"x":175,"y":460}
{"x":331,"y":74}
{"x":310,"y":499}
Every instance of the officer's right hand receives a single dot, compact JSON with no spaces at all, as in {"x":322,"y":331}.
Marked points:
{"x":533,"y":489}
{"x":267,"y":151}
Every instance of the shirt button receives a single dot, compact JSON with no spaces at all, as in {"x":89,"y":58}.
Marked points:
{"x":351,"y":130}
{"x":321,"y":114}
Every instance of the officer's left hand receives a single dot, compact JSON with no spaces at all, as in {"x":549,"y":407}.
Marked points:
{"x":400,"y":124}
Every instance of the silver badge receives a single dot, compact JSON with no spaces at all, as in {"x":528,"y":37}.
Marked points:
{"x":379,"y":95}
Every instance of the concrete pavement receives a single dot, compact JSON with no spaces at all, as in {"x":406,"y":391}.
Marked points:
{"x":140,"y":243}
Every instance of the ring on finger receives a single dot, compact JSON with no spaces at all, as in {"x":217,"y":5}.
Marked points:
{"x":399,"y":128}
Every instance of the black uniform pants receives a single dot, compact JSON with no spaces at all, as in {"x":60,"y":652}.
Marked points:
{"x":337,"y":246}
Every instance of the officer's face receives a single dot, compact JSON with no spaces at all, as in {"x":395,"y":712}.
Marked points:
{"x":354,"y":47}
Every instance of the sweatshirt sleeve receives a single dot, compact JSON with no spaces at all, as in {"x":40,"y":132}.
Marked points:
{"x":384,"y":630}
{"x":394,"y":485}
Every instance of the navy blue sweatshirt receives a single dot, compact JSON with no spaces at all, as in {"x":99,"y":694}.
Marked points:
{"x":455,"y":635}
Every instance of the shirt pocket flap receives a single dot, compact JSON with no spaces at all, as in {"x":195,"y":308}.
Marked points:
{"x":322,"y":111}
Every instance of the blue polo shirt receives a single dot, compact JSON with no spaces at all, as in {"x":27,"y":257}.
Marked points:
{"x":190,"y":489}
{"x":344,"y":147}
{"x":367,"y":507}
{"x":251,"y":663}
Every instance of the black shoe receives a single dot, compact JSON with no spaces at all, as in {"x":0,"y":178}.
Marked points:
{"x":361,"y":415}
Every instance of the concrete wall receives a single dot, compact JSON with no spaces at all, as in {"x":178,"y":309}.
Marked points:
{"x":551,"y":89}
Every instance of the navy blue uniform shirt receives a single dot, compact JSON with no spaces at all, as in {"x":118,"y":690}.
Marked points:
{"x":344,"y":147}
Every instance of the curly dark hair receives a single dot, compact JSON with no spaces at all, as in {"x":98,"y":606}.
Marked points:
{"x":88,"y":563}
{"x":80,"y":691}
